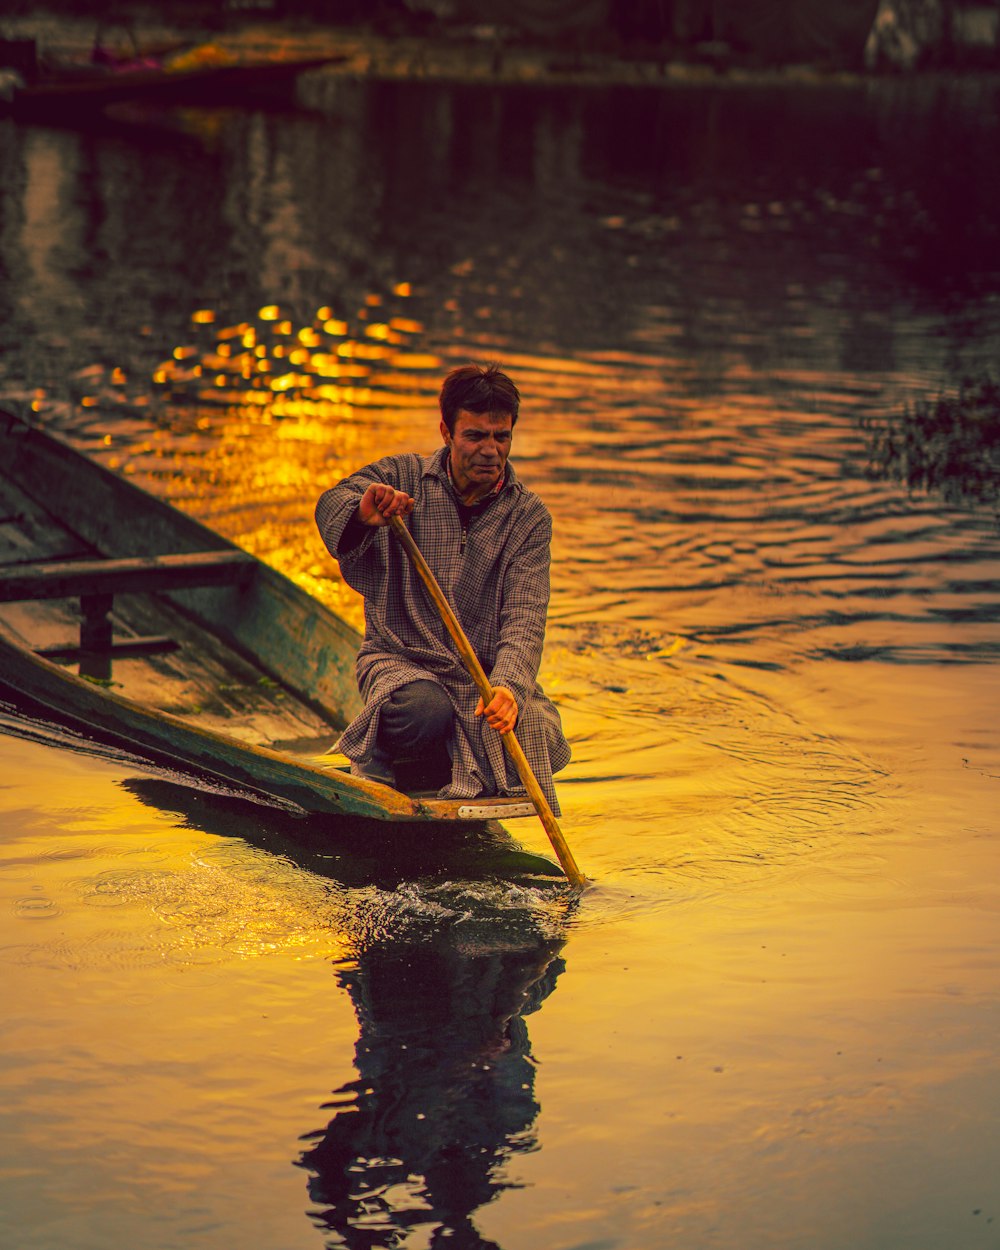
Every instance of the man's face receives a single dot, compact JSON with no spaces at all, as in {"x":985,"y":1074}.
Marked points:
{"x":479,"y":449}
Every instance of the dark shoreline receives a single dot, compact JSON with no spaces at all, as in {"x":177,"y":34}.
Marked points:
{"x":416,"y":51}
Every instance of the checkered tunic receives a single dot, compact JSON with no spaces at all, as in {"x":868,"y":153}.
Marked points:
{"x":497,"y":581}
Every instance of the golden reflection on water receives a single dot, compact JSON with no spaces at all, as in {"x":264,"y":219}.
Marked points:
{"x":158,"y":896}
{"x":684,"y":525}
{"x":780,"y":990}
{"x":174,"y":998}
{"x":264,"y":413}
{"x":178,"y":998}
{"x":701,"y":576}
{"x":779,"y":677}
{"x":763,"y":829}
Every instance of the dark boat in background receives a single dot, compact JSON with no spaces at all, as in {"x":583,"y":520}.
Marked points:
{"x":191,"y":652}
{"x":32,"y":90}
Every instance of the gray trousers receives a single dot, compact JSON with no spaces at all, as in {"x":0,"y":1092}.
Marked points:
{"x":414,"y":732}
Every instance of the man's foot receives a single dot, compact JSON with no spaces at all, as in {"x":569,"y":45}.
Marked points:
{"x":375,"y":770}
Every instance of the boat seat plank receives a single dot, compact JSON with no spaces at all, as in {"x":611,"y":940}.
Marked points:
{"x":96,"y":582}
{"x":154,"y":644}
{"x":130,"y":575}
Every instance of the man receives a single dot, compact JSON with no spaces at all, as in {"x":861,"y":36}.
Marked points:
{"x":487,"y":540}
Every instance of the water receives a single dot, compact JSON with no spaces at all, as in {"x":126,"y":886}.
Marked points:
{"x":769,"y":1022}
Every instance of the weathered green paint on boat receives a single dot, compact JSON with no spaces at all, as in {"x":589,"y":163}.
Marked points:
{"x":171,"y":740}
{"x":265,"y":619}
{"x":269,"y":619}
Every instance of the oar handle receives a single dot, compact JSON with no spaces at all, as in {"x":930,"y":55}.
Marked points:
{"x":471,"y":661}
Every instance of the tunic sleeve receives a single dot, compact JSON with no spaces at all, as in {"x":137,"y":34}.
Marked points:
{"x":338,"y":505}
{"x":523,"y":607}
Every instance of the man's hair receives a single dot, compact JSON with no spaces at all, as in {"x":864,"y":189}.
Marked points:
{"x":477,"y":388}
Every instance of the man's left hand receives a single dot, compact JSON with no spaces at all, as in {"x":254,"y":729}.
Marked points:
{"x":501,"y":712}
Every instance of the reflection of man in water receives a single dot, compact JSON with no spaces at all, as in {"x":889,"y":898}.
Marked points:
{"x":444,"y":1095}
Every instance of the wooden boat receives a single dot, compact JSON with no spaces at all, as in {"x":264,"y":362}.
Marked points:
{"x":66,"y":92}
{"x":190,"y":652}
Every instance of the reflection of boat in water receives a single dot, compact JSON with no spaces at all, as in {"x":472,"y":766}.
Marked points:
{"x":355,"y":851}
{"x":191,"y":652}
{"x":444,"y":1097}
{"x":206,"y":76}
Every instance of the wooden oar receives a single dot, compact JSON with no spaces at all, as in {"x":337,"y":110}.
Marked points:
{"x":471,"y":661}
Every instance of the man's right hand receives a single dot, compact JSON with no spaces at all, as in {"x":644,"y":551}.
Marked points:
{"x":381,"y":502}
